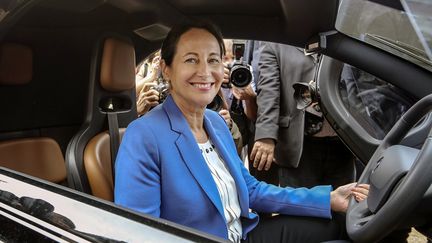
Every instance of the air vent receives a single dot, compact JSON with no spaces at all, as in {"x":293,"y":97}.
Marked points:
{"x":154,"y":32}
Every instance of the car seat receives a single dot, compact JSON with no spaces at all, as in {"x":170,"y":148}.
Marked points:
{"x":40,"y":157}
{"x":98,"y":166}
{"x":111,"y":92}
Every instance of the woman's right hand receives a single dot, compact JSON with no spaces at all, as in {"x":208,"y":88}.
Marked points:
{"x":147,"y":98}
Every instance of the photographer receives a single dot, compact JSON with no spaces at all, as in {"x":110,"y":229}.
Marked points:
{"x":238,"y":88}
{"x":248,"y":94}
{"x":147,"y":71}
{"x":146,"y":79}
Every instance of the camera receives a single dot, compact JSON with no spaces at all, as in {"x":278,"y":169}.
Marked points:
{"x":305,"y":94}
{"x":162,"y":88}
{"x":314,"y":119}
{"x":240,"y":71}
{"x":216,"y":104}
{"x":307,"y":98}
{"x":240,"y":74}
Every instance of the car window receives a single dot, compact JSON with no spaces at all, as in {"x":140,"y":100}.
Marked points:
{"x":47,"y":211}
{"x":11,"y":231}
{"x":373,"y":102}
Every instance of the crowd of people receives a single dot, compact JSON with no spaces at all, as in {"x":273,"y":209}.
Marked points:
{"x":251,"y":171}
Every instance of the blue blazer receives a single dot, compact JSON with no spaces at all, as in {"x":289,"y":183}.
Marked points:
{"x":160,"y":171}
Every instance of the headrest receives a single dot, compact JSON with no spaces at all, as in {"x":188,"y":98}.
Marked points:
{"x":39,"y":157}
{"x":118,"y":65}
{"x":16,"y":64}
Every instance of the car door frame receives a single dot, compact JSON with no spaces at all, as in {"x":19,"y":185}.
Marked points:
{"x":341,"y":49}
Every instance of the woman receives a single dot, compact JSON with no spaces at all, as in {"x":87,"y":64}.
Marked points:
{"x":179,"y":161}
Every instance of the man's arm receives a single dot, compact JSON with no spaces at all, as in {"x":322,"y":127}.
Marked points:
{"x":268,"y":97}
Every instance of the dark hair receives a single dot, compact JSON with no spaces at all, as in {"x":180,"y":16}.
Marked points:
{"x":169,"y":45}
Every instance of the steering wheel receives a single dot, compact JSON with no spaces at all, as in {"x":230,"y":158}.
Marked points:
{"x":398,"y":176}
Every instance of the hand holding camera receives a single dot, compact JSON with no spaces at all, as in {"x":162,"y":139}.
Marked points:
{"x":148,"y":98}
{"x":246,"y":93}
{"x":162,"y":87}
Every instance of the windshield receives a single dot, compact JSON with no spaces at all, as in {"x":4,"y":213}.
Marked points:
{"x":406,"y":33}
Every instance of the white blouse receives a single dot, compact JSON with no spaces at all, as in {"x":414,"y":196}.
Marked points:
{"x":227,"y":189}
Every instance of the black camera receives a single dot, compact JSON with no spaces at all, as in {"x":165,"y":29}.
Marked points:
{"x":240,"y":74}
{"x":314,"y":119}
{"x":240,"y":71}
{"x":305,"y":94}
{"x":307,"y":98}
{"x":216,"y":104}
{"x":163,"y":89}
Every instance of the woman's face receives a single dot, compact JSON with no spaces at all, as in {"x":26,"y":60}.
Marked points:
{"x":196,"y":72}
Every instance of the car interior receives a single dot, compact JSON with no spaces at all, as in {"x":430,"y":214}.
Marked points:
{"x":67,"y":83}
{"x":81,"y":60}
{"x":37,"y":156}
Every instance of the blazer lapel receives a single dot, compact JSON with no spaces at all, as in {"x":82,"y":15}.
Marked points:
{"x":232,"y":164}
{"x":191,"y":153}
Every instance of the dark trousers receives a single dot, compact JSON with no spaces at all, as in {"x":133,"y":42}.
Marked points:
{"x":270,"y":176}
{"x":282,"y":228}
{"x":324,"y":161}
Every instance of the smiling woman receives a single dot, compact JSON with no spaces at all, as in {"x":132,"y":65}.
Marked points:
{"x":196,"y":70}
{"x":179,"y":161}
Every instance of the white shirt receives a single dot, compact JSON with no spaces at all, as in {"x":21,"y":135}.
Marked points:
{"x":227,"y":190}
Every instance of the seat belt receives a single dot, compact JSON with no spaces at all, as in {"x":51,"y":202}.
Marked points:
{"x":113,"y":129}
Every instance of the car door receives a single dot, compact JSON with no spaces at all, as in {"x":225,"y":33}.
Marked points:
{"x":365,"y":90}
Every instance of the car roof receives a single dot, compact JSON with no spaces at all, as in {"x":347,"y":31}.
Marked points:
{"x":292,"y":22}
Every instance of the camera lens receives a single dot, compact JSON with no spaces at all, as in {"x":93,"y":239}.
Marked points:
{"x":302,"y":95}
{"x":240,"y":76}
